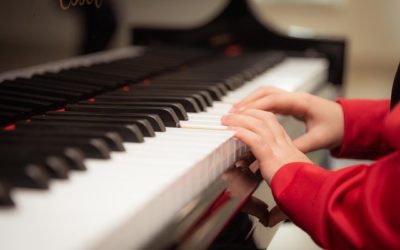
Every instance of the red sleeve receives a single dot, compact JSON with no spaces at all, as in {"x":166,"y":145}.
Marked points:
{"x":363,"y":129}
{"x":353,"y":208}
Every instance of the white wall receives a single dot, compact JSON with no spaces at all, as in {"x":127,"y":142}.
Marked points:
{"x":372,"y":28}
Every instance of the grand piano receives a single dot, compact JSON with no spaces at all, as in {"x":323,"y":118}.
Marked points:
{"x":123,"y":148}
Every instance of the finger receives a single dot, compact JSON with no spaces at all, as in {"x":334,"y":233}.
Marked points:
{"x":246,"y":136}
{"x":270,"y":121}
{"x":245,"y":121}
{"x":246,"y":160}
{"x":259,"y":114}
{"x":228,"y":174}
{"x":251,"y":139}
{"x":288,"y":104}
{"x":309,"y":141}
{"x":259,"y":93}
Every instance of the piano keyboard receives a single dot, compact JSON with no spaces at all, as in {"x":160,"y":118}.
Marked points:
{"x":146,"y":130}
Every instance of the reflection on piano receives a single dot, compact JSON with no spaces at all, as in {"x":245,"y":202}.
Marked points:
{"x":123,"y":149}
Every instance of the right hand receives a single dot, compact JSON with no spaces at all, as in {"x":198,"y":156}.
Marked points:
{"x":323,"y":118}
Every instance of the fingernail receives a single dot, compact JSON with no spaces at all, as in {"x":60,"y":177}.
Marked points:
{"x":224,"y":119}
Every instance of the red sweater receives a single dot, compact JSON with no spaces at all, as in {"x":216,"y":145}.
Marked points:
{"x":357,"y":207}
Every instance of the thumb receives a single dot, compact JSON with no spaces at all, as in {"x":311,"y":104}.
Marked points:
{"x":307,"y":142}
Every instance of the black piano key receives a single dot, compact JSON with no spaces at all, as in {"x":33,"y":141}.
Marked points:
{"x":201,"y":102}
{"x":127,"y":69}
{"x":118,"y":67}
{"x":14,"y":109}
{"x":7,"y":119}
{"x":73,"y":156}
{"x":203,"y":97}
{"x":213,"y":91}
{"x":168,"y":115}
{"x":32,"y":96}
{"x":144,"y":126}
{"x":204,"y":94}
{"x":24,"y":175}
{"x":9,"y":113}
{"x":70,"y":95}
{"x":92,"y":148}
{"x":153,"y":119}
{"x":52,"y":85}
{"x":220,"y":86}
{"x":87,"y":79}
{"x":113,"y":140}
{"x":116,"y":79}
{"x":6,"y":114}
{"x":5,"y":194}
{"x":188,"y":103}
{"x":67,"y":84}
{"x":25,"y":102}
{"x":56,"y":166}
{"x":177,"y":107}
{"x":33,"y":86}
{"x":230,"y":84}
{"x":129,"y":133}
{"x":235,"y":82}
{"x":117,"y":73}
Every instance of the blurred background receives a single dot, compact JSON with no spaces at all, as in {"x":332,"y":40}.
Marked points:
{"x":28,"y":37}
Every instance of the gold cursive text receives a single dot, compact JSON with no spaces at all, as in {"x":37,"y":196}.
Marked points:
{"x":66,"y":4}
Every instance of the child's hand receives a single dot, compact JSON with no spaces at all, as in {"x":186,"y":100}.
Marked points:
{"x":242,"y":182}
{"x":323,"y":118}
{"x":266,"y":138}
{"x":256,"y":95}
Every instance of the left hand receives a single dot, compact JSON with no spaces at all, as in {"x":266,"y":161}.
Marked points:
{"x":242,"y":182}
{"x":266,"y":138}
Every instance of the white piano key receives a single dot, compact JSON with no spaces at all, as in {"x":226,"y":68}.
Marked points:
{"x":293,"y":74}
{"x":203,"y":125}
{"x":204,"y":116}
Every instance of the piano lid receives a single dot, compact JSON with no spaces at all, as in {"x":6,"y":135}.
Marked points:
{"x":36,"y":32}
{"x":237,"y":24}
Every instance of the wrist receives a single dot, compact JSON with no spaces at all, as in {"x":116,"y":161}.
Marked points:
{"x":270,"y":173}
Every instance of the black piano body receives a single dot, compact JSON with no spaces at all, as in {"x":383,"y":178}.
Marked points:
{"x":238,"y":25}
